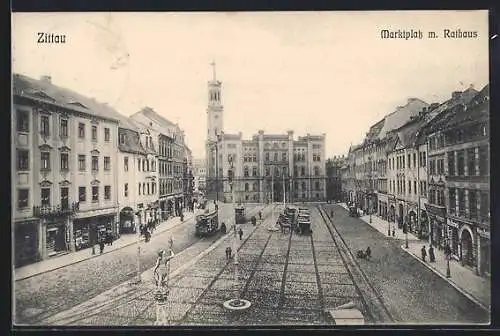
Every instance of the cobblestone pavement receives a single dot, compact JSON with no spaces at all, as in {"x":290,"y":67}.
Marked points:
{"x":289,"y":278}
{"x":411,"y":292}
{"x":41,"y":296}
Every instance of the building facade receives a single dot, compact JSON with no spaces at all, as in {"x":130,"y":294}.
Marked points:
{"x":65,"y":151}
{"x":171,"y":159}
{"x":268,"y":167}
{"x":459,"y":162}
{"x":333,"y":168}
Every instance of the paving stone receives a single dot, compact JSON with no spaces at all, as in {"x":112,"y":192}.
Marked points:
{"x":301,"y":277}
{"x":263,"y":298}
{"x":264,"y":284}
{"x":217,"y":296}
{"x":308,"y":268}
{"x":142,"y":322}
{"x":331,"y":268}
{"x":273,"y":275}
{"x":258,"y":315}
{"x":273,"y":259}
{"x":212,"y":314}
{"x":339,"y":290}
{"x":301,"y":302}
{"x":133,"y":309}
{"x":184,"y":295}
{"x":193,"y":282}
{"x":175,"y":311}
{"x":208,"y":273}
{"x":299,"y":288}
{"x":335,"y":278}
{"x":277,"y":267}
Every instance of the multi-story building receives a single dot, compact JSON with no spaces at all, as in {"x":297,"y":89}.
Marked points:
{"x":459,"y":181}
{"x":333,"y":177}
{"x":171,"y":140}
{"x":200,"y":174}
{"x":129,"y":160}
{"x":432,"y":171}
{"x":269,"y":166}
{"x":65,"y":150}
{"x":188,"y":177}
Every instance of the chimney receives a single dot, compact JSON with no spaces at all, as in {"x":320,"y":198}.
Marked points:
{"x":456,"y":94}
{"x":46,"y":79}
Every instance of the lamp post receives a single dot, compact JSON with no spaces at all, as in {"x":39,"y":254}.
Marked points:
{"x":406,"y":234}
{"x":447,"y":253}
{"x":236,"y":304}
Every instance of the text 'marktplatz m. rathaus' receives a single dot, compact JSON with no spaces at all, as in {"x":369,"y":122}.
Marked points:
{"x":265,"y":165}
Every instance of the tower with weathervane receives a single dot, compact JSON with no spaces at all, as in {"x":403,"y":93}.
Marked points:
{"x":215,"y":111}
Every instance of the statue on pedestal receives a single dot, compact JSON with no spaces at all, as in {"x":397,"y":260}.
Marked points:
{"x":162,"y":268}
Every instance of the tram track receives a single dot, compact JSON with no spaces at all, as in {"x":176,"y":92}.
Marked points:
{"x":218,"y":275}
{"x":283,"y":280}
{"x":371,"y":299}
{"x":117,"y":302}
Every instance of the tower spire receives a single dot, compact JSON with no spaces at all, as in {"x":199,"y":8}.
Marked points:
{"x":213,"y":70}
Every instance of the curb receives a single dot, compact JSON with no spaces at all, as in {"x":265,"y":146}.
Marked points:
{"x":453,"y":284}
{"x":92,"y":256}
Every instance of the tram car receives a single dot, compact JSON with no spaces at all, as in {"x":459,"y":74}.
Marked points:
{"x":207,"y":224}
{"x":239,"y":215}
{"x":304,"y":223}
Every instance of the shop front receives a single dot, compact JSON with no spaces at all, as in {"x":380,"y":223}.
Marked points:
{"x":90,"y":231}
{"x":127,"y":222}
{"x":424,"y":225}
{"x":56,"y":231}
{"x":26,"y":242}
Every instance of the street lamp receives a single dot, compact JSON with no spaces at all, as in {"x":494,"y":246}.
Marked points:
{"x":237,"y":304}
{"x":447,"y":253}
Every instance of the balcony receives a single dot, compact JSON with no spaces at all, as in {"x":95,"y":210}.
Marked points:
{"x":55,"y":210}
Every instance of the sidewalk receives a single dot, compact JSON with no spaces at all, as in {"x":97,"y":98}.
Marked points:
{"x":85,"y":254}
{"x":476,"y":288}
{"x":382,"y":225}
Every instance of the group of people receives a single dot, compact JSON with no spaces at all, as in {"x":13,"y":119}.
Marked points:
{"x":105,"y":239}
{"x":432,"y":257}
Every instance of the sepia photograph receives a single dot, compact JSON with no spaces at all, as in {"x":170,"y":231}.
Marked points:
{"x":246,"y":169}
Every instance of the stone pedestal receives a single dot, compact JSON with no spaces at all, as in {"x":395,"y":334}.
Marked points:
{"x":161,"y":296}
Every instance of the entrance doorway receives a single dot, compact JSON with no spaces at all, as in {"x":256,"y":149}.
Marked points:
{"x":467,"y":257}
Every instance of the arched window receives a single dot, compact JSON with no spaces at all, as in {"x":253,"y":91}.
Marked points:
{"x":255,"y":158}
{"x":284,"y":171}
{"x":316,"y":171}
{"x":246,"y":186}
{"x":302,"y":171}
{"x":255,"y":186}
{"x":254,"y":171}
{"x":245,"y":172}
{"x":267,"y":156}
{"x":275,"y":156}
{"x":283,"y":156}
{"x":316,"y":185}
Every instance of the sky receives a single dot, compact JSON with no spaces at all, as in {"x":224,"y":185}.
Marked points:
{"x":312,"y":72}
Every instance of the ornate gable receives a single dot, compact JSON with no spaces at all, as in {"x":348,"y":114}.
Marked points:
{"x":77,"y":103}
{"x":45,"y":184}
{"x":95,"y":182}
{"x":45,"y":147}
{"x":64,"y":149}
{"x":64,"y":183}
{"x":94,"y":152}
{"x":42,"y":95}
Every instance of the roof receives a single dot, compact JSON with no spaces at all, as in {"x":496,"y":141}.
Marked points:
{"x":478,"y":110}
{"x":438,"y":117}
{"x":164,"y":124}
{"x":131,"y":141}
{"x":374,"y":131}
{"x":408,"y":133}
{"x":45,"y":91}
{"x":401,"y":116}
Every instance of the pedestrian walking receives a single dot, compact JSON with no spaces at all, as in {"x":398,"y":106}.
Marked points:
{"x":229,"y":252}
{"x":393,"y":232}
{"x":240,"y":232}
{"x":368,"y":253}
{"x":101,"y":245}
{"x":424,"y":253}
{"x":432,"y":257}
{"x":260,"y":215}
